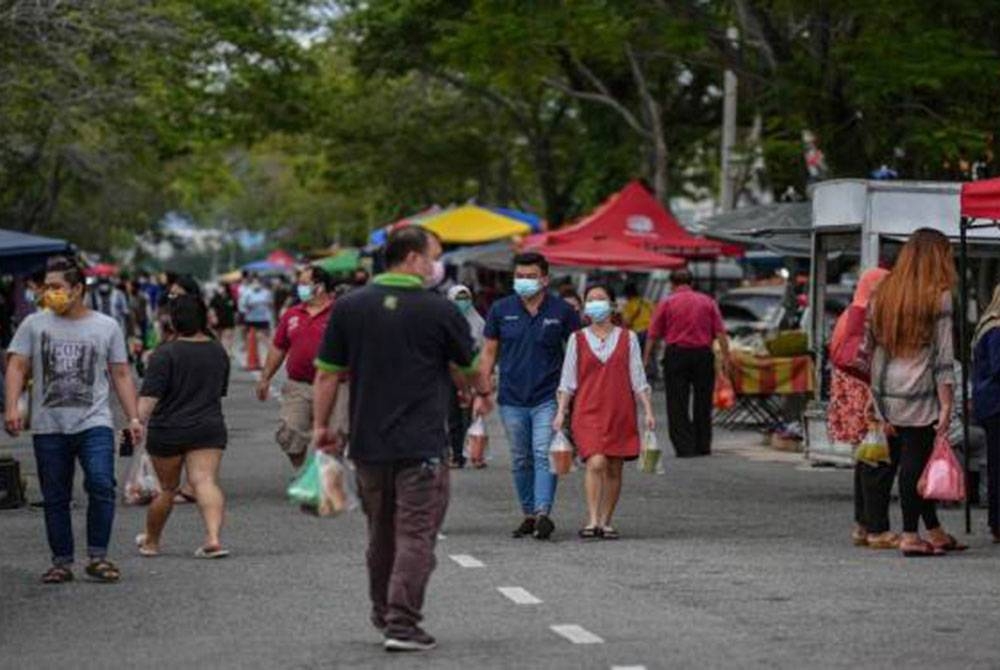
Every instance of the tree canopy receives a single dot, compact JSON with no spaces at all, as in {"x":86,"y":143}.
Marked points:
{"x":316,"y":121}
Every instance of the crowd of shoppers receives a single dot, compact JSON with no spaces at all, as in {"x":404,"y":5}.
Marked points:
{"x":398,"y":372}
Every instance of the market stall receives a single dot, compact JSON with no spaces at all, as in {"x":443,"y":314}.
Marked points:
{"x":868,"y":221}
{"x":634,"y":216}
{"x":470,"y":224}
{"x":762,"y":383}
{"x":599,"y":253}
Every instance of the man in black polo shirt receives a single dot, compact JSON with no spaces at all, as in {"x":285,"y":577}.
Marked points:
{"x":402,"y":345}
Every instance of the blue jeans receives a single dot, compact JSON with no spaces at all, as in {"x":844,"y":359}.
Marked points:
{"x":56,"y":455}
{"x":529,"y":431}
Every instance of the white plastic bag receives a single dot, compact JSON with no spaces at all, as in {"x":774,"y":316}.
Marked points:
{"x":338,"y":490}
{"x":477,"y":443}
{"x":650,"y":455}
{"x":141,"y":482}
{"x":560,"y":454}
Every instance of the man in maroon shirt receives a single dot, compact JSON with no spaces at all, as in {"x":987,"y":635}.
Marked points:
{"x":297,"y":340}
{"x":689,"y":322}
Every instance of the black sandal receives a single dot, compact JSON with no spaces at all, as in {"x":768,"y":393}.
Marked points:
{"x":590,"y":532}
{"x":609,"y":533}
{"x":104,"y":571}
{"x":57,"y":574}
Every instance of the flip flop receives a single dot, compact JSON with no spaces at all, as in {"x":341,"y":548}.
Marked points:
{"x":211,"y":552}
{"x":920,"y":549}
{"x":609,"y":533}
{"x":590,"y":532}
{"x":140,"y":543}
{"x":952,"y":544}
{"x":57,"y":574}
{"x":181,"y":498}
{"x":883,"y":542}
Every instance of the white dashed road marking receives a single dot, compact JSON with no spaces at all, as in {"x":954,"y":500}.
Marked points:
{"x":466,"y":561}
{"x":628,"y":667}
{"x":576,"y":634}
{"x":519,"y":595}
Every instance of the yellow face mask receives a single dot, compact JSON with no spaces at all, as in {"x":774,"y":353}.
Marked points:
{"x":58,"y":300}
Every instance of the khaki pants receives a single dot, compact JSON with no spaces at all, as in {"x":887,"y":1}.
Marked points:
{"x":295,"y":428}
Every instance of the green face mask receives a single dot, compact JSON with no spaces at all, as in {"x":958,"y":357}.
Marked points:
{"x":464,"y":305}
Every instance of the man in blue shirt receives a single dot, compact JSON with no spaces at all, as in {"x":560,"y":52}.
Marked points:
{"x":528,"y":332}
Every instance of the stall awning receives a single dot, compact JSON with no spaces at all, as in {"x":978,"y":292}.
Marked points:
{"x":21,"y":252}
{"x":470,"y":224}
{"x":981,"y":199}
{"x":607,"y":253}
{"x":784,"y":228}
{"x":345,"y":260}
{"x":634,"y":216}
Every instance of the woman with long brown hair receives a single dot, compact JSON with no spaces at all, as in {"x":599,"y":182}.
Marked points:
{"x":913,"y":375}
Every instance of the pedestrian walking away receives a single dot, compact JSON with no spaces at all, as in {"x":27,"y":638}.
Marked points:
{"x":256,"y":304}
{"x":913,"y":375}
{"x":688,"y":322}
{"x":604,"y":376}
{"x":527,"y":332}
{"x":181,"y":401}
{"x":460,"y":410}
{"x":851,"y":418}
{"x":74,"y":355}
{"x":399,"y":342}
{"x":296,"y":343}
{"x":986,"y":402}
{"x":222,"y":311}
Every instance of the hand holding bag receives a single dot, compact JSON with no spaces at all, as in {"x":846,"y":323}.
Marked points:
{"x":943,"y":478}
{"x":560,"y":454}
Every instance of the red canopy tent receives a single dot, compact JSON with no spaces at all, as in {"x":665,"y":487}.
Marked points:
{"x":101,"y":270}
{"x":636,"y":217}
{"x":979,"y":208}
{"x":282,"y":258}
{"x":607,"y":253}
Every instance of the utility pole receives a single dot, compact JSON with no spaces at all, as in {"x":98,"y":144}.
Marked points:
{"x":727,"y":196}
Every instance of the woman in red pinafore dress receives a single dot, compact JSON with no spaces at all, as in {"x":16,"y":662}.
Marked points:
{"x":604,"y":376}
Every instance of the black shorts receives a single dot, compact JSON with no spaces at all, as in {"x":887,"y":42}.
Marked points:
{"x":166,"y":443}
{"x":258,"y":325}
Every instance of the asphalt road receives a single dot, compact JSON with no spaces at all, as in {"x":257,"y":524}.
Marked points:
{"x":739,"y":560}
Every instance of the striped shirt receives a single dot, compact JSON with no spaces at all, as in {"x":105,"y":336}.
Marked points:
{"x":905,"y":389}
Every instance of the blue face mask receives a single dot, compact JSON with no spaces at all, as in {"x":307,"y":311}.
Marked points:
{"x":526,"y":288}
{"x":464,"y":305}
{"x":305,"y":292}
{"x":598,"y":310}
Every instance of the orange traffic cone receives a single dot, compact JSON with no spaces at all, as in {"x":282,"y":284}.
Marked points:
{"x":253,"y":360}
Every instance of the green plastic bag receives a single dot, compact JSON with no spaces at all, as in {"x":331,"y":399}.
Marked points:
{"x":326,"y":486}
{"x":152,"y":338}
{"x":304,"y":489}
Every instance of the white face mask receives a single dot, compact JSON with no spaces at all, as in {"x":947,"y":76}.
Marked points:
{"x":436,"y":276}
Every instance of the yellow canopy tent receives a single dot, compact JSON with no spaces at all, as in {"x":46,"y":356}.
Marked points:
{"x":231,"y":277}
{"x":473,"y":225}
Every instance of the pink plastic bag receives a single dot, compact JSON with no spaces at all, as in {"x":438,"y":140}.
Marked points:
{"x":942,"y":478}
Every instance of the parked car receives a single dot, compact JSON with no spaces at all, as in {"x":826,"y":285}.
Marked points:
{"x":761,"y":309}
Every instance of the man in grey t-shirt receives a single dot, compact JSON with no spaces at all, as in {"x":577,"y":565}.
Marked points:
{"x":73,"y":355}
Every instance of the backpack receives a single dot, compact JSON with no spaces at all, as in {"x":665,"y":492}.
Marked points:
{"x":851,"y":347}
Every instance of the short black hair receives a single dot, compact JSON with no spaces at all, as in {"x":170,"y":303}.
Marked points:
{"x":319,"y":276}
{"x":681,"y":277}
{"x":189,"y":284}
{"x":603,"y":287}
{"x":631,"y":290}
{"x":533,"y":258}
{"x":405,"y":240}
{"x":567,"y":291}
{"x":188,"y":315}
{"x":69,"y":268}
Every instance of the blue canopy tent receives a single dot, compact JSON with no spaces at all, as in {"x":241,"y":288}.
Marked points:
{"x":21,"y":253}
{"x":266,"y":268}
{"x":532,"y":220}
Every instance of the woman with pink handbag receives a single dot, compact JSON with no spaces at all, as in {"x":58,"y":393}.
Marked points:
{"x":912,"y":374}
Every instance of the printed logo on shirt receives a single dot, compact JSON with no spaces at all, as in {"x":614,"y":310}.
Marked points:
{"x":511,"y":317}
{"x":551,"y":322}
{"x":69,"y":370}
{"x":391,"y":302}
{"x":293,"y":323}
